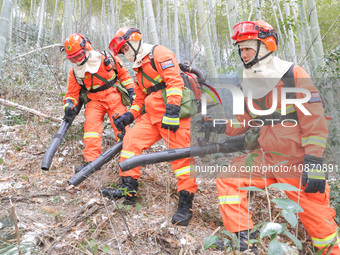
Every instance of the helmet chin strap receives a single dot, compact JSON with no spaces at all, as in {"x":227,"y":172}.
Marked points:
{"x":256,"y":59}
{"x":84,"y":61}
{"x":134,"y":50}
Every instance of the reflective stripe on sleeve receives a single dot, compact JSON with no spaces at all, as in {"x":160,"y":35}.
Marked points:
{"x":91,"y":134}
{"x":173,"y":91}
{"x":323,"y":242}
{"x":126,"y":82}
{"x":114,"y":76}
{"x":236,"y":123}
{"x":318,"y":140}
{"x":170,"y":121}
{"x":127,"y":154}
{"x":234,"y":199}
{"x":135,"y":107}
{"x":73,"y":99}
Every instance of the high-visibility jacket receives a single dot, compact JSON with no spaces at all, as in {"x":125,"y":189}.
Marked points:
{"x":118,"y":72}
{"x":168,"y":71}
{"x":308,"y":137}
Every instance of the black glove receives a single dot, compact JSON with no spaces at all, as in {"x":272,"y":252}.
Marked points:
{"x":132,"y":94}
{"x":216,"y":126}
{"x":69,"y":110}
{"x":171,"y":117}
{"x":123,"y":120}
{"x":314,"y":175}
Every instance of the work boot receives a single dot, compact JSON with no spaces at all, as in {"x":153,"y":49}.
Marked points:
{"x":128,"y":188}
{"x":184,"y":211}
{"x":243,"y":242}
{"x":79,"y":168}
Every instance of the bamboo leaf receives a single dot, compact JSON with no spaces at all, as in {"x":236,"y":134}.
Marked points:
{"x":288,"y":205}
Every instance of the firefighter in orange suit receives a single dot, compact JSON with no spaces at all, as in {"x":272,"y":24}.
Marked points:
{"x":295,"y":138}
{"x":97,"y":75}
{"x":156,"y":68}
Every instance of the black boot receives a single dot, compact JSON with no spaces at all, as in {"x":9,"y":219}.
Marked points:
{"x":128,"y":188}
{"x":184,"y":211}
{"x":244,"y":241}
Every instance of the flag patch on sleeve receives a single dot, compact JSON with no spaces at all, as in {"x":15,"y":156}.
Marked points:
{"x":315,"y":97}
{"x":166,"y":64}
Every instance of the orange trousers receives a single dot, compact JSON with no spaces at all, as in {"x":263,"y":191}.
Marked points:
{"x":317,"y":217}
{"x":93,"y":128}
{"x":144,"y":134}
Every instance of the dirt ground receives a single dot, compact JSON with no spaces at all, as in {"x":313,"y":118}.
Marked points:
{"x":58,"y":219}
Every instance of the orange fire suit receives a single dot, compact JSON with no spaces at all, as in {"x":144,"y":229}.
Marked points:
{"x":147,"y":129}
{"x":107,"y":101}
{"x":307,"y":137}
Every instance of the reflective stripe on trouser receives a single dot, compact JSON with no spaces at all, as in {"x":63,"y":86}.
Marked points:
{"x":93,"y":127}
{"x":144,"y":134}
{"x":317,"y":217}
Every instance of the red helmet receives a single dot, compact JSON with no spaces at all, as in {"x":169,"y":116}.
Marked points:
{"x":75,"y":47}
{"x":258,"y":30}
{"x":123,"y":35}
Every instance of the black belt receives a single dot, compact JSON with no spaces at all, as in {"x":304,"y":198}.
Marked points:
{"x":155,"y":88}
{"x":106,"y":86}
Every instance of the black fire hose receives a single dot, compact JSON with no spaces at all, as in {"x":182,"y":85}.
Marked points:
{"x":229,"y":145}
{"x":185,"y":67}
{"x":96,"y":164}
{"x":58,"y":138}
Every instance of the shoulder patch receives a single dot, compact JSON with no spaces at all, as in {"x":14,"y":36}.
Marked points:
{"x":315,"y":97}
{"x":166,"y":64}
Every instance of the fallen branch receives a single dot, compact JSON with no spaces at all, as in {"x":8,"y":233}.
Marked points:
{"x":33,"y":51}
{"x":26,"y":109}
{"x":17,"y":199}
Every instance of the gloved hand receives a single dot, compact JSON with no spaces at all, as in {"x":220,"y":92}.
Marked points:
{"x":69,"y":110}
{"x":314,"y":175}
{"x":132,"y":94}
{"x":216,"y":126}
{"x":123,"y":120}
{"x":171,"y":117}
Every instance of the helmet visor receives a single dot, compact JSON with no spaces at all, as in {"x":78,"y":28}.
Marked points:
{"x":116,"y":44}
{"x":243,"y":28}
{"x":76,"y":57}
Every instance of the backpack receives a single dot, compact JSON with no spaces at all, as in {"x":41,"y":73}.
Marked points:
{"x":191,"y":94}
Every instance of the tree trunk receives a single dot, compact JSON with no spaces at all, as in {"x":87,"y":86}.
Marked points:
{"x":165,"y":24}
{"x":214,"y":33}
{"x":151,"y":22}
{"x":6,"y":12}
{"x":206,"y":41}
{"x":258,"y":10}
{"x":281,"y":46}
{"x":291,"y":36}
{"x":316,"y":37}
{"x":189,"y":36}
{"x":67,"y":27}
{"x":176,"y":31}
{"x":145,"y":25}
{"x":308,"y":39}
{"x":41,"y":23}
{"x":284,"y":39}
{"x":54,"y":19}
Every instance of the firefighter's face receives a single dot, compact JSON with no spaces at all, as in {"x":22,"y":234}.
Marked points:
{"x":247,"y":54}
{"x":124,"y":48}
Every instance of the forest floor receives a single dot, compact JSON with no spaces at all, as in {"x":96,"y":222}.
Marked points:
{"x":56,"y":219}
